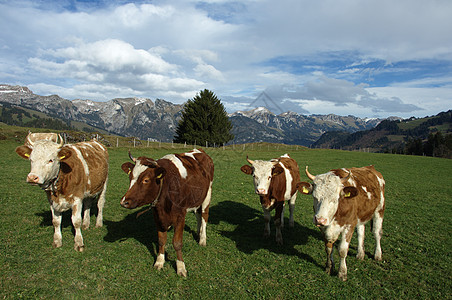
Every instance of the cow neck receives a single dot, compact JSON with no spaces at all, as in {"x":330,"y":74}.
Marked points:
{"x":154,"y":203}
{"x":52,"y":187}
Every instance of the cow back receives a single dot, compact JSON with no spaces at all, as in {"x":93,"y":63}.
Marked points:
{"x":370,"y":185}
{"x":188,"y":178}
{"x":86,"y":170}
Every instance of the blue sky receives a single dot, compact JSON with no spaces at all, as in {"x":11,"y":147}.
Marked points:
{"x":374,"y":58}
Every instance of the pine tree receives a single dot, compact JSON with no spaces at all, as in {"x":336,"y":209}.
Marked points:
{"x":204,"y":119}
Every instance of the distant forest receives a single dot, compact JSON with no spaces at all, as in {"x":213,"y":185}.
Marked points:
{"x":431,"y":136}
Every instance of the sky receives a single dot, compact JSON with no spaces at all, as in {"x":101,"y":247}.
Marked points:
{"x":367,"y":58}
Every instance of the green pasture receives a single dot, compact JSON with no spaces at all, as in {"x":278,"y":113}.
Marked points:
{"x":237,"y":262}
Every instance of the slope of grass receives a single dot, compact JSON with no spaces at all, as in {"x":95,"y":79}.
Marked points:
{"x":237,"y":261}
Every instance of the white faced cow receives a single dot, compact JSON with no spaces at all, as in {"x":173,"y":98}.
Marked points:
{"x":172,"y":185}
{"x":345,"y":199}
{"x":275,"y":182}
{"x":71,"y":175}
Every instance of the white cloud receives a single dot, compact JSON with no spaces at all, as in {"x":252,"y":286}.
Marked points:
{"x":173,"y":49}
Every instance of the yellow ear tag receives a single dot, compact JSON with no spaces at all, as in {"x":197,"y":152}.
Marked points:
{"x":305,"y":190}
{"x":129,"y":172}
{"x":159,"y":176}
{"x":61,"y":157}
{"x":27,"y":155}
{"x":347,"y":195}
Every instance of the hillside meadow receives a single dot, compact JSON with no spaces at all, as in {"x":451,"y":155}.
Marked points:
{"x":237,"y":261}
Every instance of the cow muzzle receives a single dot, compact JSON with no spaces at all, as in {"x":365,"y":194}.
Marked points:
{"x":125,"y":203}
{"x":33,"y":179}
{"x":320,"y":221}
{"x":261,"y":192}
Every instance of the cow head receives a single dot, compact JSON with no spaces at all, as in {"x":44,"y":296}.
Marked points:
{"x":327,"y":190}
{"x":45,"y":157}
{"x":146,"y":180}
{"x":262,"y":172}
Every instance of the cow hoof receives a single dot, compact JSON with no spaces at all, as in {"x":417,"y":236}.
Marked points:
{"x":181,"y":271}
{"x":202,"y":243}
{"x":360,"y":256}
{"x":79,"y":248}
{"x":159,"y":262}
{"x":57,"y":244}
{"x":342,"y":277}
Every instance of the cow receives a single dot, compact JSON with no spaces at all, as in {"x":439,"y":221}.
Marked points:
{"x":72,"y":176}
{"x":345,"y":199}
{"x":275,"y":182}
{"x":173,"y":185}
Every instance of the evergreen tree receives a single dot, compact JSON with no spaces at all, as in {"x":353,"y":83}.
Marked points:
{"x":204,"y":119}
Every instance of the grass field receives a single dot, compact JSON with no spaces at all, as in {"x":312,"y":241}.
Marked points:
{"x":237,"y":261}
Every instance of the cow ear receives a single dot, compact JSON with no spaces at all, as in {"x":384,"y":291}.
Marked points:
{"x":64,"y":153}
{"x":127,"y":167}
{"x":277,"y":170}
{"x":304,"y":188}
{"x":350,"y":191}
{"x":24,"y":151}
{"x":247,"y":169}
{"x":160,"y":173}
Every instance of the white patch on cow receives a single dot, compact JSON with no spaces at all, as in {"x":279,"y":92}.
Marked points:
{"x":82,"y":160}
{"x":286,"y":155}
{"x":101,"y":146}
{"x":192,"y":153}
{"x":192,"y":209}
{"x":287,"y":194}
{"x":178,"y":163}
{"x":137,"y":170}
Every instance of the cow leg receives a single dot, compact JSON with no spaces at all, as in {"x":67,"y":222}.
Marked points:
{"x":267,"y":218}
{"x":177,"y":244}
{"x":329,"y":265}
{"x":203,"y":216}
{"x":378,"y":231}
{"x":279,"y":215}
{"x":162,"y":235}
{"x":77,"y":223}
{"x":86,"y":212}
{"x":56,"y":221}
{"x":292,"y":209}
{"x":360,"y":229}
{"x":100,"y":205}
{"x":343,"y":251}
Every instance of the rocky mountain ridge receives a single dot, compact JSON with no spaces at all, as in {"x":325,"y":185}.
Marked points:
{"x":143,"y":118}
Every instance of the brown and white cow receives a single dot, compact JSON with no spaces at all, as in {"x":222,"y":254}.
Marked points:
{"x":275,"y":182}
{"x":345,"y":199}
{"x":72,"y":175}
{"x":172,"y":185}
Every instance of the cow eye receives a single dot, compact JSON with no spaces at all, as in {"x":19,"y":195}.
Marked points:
{"x":50,"y":161}
{"x":269,"y":177}
{"x":146,"y":180}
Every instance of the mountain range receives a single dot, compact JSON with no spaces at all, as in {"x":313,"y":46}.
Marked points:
{"x":157,"y":120}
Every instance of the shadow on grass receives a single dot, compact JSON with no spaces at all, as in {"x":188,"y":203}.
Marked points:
{"x":141,"y":229}
{"x":248,"y":233}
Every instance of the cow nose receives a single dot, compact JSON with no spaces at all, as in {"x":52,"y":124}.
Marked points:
{"x":32,"y":178}
{"x":260,"y":191}
{"x":320,"y":221}
{"x":124,"y":202}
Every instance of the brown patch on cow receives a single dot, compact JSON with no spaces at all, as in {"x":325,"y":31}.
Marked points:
{"x":365,"y":207}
